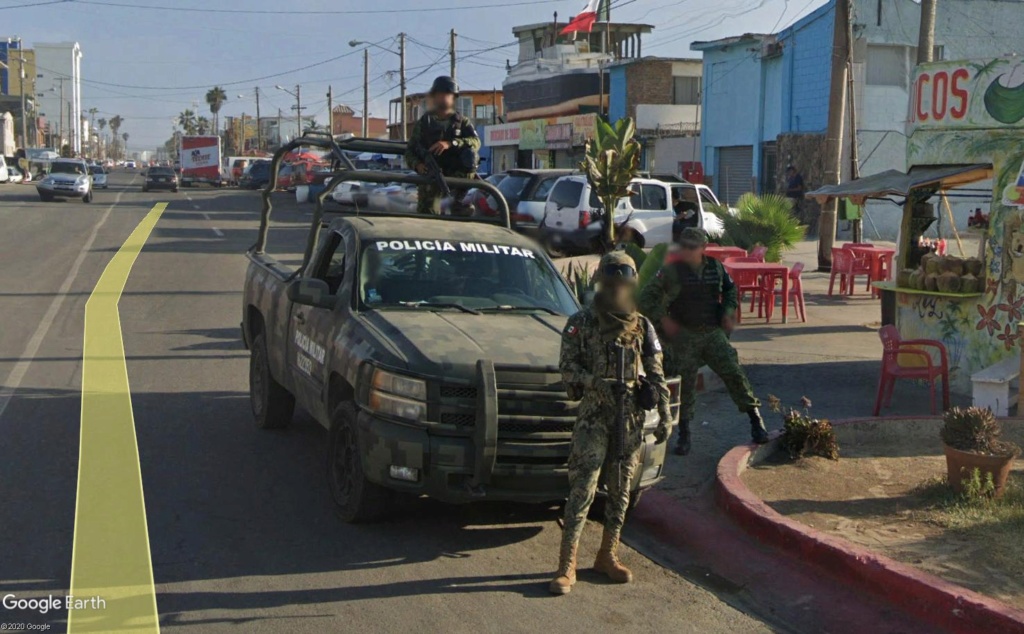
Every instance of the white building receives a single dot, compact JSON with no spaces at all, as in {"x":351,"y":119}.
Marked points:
{"x":59,"y":91}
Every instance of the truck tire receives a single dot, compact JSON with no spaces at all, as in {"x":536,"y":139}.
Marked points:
{"x":88,"y":197}
{"x":272,"y":404}
{"x":356,"y":499}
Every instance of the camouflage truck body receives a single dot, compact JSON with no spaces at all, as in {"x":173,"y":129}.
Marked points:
{"x":478,"y":409}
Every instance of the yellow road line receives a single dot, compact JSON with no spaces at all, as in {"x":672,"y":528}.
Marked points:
{"x":111,"y":558}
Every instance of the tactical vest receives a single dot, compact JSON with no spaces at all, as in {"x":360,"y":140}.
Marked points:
{"x":433,"y":129}
{"x":698,"y":304}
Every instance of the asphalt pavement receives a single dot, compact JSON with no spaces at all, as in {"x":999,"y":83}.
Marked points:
{"x":241,"y":529}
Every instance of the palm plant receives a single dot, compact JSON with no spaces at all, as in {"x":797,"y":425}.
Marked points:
{"x":611,"y":161}
{"x":100,"y":124}
{"x":202,"y":125}
{"x":761,"y":221}
{"x":115,"y":124}
{"x":125,"y":137}
{"x":215,"y":98}
{"x":187,"y":121}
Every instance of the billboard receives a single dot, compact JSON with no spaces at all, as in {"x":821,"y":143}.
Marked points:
{"x":968,"y":95}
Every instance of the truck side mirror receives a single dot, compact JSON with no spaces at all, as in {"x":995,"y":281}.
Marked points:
{"x":310,"y":291}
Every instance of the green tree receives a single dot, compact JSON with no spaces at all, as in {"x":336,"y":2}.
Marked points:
{"x":100,"y":125}
{"x":125,"y":137}
{"x":761,"y":221}
{"x":611,"y":161}
{"x":215,"y":98}
{"x":202,"y":125}
{"x":115,"y":124}
{"x":187,"y":121}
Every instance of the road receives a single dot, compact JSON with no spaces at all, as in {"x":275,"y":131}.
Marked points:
{"x":241,"y":530}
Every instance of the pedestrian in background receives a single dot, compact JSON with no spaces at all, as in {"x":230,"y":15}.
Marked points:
{"x":590,"y":344}
{"x":693,"y":301}
{"x":795,"y":190}
{"x":450,"y":137}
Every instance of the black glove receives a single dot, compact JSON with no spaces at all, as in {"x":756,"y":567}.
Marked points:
{"x":618,"y":389}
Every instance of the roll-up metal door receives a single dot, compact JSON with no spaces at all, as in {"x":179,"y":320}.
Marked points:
{"x":735,"y":170}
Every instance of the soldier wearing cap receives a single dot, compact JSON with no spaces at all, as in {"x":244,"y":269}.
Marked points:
{"x":449,"y":136}
{"x":590,"y":347}
{"x":693,"y":301}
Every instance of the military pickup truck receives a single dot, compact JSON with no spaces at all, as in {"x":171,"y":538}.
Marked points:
{"x":428,"y":347}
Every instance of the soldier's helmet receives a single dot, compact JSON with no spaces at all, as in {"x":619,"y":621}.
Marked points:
{"x":616,"y":267}
{"x":693,"y":238}
{"x":444,"y":84}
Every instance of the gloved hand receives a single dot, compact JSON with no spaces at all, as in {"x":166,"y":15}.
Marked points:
{"x":662,"y":430}
{"x":618,"y":389}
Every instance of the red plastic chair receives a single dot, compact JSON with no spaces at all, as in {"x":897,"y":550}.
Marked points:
{"x":769,"y":289}
{"x":884,"y":271}
{"x":910,"y":359}
{"x":759,"y":253}
{"x":861,"y":262}
{"x":844,"y":267}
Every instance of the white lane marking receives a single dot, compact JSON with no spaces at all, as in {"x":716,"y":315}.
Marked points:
{"x":20,"y":368}
{"x":216,"y":231}
{"x":195,"y":206}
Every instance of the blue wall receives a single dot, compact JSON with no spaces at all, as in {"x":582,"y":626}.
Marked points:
{"x":616,"y":93}
{"x":808,"y":45}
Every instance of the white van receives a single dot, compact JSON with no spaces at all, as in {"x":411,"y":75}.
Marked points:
{"x":5,"y":175}
{"x":655,"y":211}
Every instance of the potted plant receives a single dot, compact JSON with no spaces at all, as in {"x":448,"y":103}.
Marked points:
{"x":971,"y":440}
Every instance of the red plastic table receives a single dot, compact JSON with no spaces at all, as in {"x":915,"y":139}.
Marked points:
{"x":764,"y":269}
{"x":876,"y":257}
{"x":721,"y":253}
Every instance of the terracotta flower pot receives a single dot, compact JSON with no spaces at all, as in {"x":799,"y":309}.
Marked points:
{"x":960,"y":464}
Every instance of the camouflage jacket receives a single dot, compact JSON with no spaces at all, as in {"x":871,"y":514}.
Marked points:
{"x":587,"y":365}
{"x":457,"y":129}
{"x":658,"y":294}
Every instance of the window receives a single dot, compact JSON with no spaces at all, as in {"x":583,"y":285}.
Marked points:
{"x":686,"y":91}
{"x":566,"y":193}
{"x":649,"y":198}
{"x":887,"y":66}
{"x":484,"y":112}
{"x":708,"y":198}
{"x":543,"y":189}
{"x":464,"y":105}
{"x":331,"y":266}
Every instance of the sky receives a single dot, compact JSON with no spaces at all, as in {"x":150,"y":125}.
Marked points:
{"x":149,"y":64}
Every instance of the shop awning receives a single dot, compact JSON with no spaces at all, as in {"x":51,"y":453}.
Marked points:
{"x":896,"y":183}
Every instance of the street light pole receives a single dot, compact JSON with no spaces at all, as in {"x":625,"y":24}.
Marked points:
{"x":401,"y":72}
{"x":451,"y":53}
{"x":330,"y":110}
{"x":259,"y":129}
{"x":366,"y":92}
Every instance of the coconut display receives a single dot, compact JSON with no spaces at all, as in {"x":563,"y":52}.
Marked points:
{"x":916,"y":280}
{"x":931,"y":263}
{"x":974,"y":266}
{"x":953,"y":265}
{"x":948,"y":282}
{"x":969,"y":284}
{"x":931,"y":282}
{"x":903,"y":278}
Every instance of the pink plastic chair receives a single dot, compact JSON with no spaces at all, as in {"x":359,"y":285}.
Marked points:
{"x":759,"y":253}
{"x":770,"y":288}
{"x":861,"y":262}
{"x":844,"y":267}
{"x":910,"y":359}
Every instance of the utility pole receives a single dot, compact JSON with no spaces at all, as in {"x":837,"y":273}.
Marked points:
{"x":834,"y":133}
{"x":60,"y":125}
{"x":24,"y":111}
{"x":241,"y":136}
{"x":280,"y":134}
{"x":259,"y":129}
{"x":857,"y":224}
{"x":451,"y":53}
{"x":298,"y":107}
{"x":330,"y":110}
{"x":926,"y":36}
{"x":366,"y":92}
{"x":401,"y":73}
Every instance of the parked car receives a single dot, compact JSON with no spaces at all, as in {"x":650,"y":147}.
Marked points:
{"x":526,"y":191}
{"x":237,"y":169}
{"x":99,"y":177}
{"x":286,"y":178}
{"x":5,"y":171}
{"x":352,"y":193}
{"x":257,"y":176}
{"x":574,"y":216}
{"x":160,"y":178}
{"x":396,"y":198}
{"x":68,"y":178}
{"x":484,"y":203}
{"x":14,"y":175}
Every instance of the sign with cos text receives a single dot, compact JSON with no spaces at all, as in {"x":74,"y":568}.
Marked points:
{"x":968,"y":94}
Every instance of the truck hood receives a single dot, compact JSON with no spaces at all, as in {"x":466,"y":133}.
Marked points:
{"x":65,"y":178}
{"x":448,"y":342}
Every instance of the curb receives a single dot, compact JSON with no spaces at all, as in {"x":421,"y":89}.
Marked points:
{"x":925,"y":596}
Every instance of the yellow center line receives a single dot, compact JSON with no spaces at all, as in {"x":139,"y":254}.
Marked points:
{"x":111,"y":570}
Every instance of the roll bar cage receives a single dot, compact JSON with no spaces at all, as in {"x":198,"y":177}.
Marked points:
{"x":344,"y":170}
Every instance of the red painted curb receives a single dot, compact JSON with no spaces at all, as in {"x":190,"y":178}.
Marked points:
{"x":929,"y":598}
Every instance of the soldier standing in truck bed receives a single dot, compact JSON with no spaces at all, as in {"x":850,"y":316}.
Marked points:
{"x":693,"y":301}
{"x":450,"y":137}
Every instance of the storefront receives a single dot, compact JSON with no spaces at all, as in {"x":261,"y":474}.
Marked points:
{"x":540,"y":143}
{"x":503,"y":140}
{"x":966,"y":127}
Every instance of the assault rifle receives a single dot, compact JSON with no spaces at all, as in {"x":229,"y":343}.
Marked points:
{"x":433,"y":170}
{"x":620,"y":388}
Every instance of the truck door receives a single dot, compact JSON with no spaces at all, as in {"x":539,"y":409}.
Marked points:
{"x":650,"y":202}
{"x":311,"y":328}
{"x":711,"y":223}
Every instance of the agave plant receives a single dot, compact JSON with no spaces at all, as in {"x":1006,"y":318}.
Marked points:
{"x":761,"y":221}
{"x":611,"y":161}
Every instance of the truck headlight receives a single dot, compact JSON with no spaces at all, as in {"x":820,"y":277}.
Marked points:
{"x":398,"y":396}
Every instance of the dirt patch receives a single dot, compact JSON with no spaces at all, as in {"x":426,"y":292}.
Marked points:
{"x":886,"y":493}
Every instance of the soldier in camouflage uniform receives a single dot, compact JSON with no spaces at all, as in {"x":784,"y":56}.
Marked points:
{"x":693,"y":300}
{"x":588,"y":366}
{"x":450,"y":137}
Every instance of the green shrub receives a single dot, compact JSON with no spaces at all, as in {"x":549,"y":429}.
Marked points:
{"x":803,"y":435}
{"x":975,"y":429}
{"x":761,"y":221}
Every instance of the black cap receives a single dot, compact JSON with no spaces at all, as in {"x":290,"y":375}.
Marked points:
{"x":444,"y":84}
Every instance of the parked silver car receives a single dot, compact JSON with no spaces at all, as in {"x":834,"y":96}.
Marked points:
{"x":68,"y":178}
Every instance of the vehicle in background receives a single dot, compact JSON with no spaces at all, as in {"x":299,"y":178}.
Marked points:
{"x":257,"y":175}
{"x":160,"y":178}
{"x":129,"y":165}
{"x":237,"y":169}
{"x":483,"y":203}
{"x":68,"y":178}
{"x":99,"y":177}
{"x":14,"y":175}
{"x":353,"y":193}
{"x":5,"y":171}
{"x":398,"y":198}
{"x":574,"y":216}
{"x":526,"y":191}
{"x":200,"y":160}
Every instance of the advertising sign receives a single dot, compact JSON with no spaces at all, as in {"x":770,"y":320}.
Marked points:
{"x":502,"y":134}
{"x":531,"y":134}
{"x":584,"y":127}
{"x":558,"y":136}
{"x":200,"y":158}
{"x":968,"y":94}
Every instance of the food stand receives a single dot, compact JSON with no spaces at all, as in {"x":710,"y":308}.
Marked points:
{"x":966,"y":125}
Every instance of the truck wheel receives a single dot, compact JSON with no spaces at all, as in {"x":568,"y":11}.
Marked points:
{"x":356,"y":499}
{"x":88,"y":197}
{"x":272,"y":404}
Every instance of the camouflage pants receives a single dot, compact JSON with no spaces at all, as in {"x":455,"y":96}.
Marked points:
{"x":594,"y":448}
{"x":689,"y":350}
{"x":428,"y":199}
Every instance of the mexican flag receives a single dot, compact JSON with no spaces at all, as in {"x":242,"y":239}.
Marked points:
{"x":584,"y":20}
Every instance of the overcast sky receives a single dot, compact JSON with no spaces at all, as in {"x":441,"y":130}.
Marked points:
{"x":128,"y":51}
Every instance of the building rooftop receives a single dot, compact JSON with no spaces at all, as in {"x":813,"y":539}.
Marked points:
{"x":598,"y":26}
{"x":731,"y":41}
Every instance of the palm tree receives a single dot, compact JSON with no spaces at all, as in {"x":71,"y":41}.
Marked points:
{"x":115,"y":124}
{"x":187,"y":121}
{"x":215,"y":98}
{"x":765,"y":220}
{"x":611,"y":161}
{"x":202,"y":125}
{"x":125,"y":137}
{"x":100,"y":124}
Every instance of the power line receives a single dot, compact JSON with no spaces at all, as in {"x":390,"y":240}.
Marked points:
{"x":34,"y":4}
{"x":278,"y":12}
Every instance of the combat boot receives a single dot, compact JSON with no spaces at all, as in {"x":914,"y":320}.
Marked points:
{"x":758,"y":433}
{"x":566,"y":575}
{"x":607,"y":561}
{"x":683,"y":442}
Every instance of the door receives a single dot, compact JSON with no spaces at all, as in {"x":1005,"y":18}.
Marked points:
{"x":711,"y":223}
{"x":311,"y":328}
{"x":562,"y":210}
{"x":650,"y":206}
{"x":734,"y":173}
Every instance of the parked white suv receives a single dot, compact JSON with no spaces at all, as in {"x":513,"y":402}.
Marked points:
{"x":655,"y":212}
{"x":68,"y":178}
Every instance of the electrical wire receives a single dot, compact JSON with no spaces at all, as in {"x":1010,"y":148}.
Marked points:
{"x":279,"y":13}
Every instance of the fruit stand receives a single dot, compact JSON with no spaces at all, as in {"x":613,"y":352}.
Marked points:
{"x":966,"y":125}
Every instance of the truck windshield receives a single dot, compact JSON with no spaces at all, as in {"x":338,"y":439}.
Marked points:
{"x":450,"y":274}
{"x":67,"y":168}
